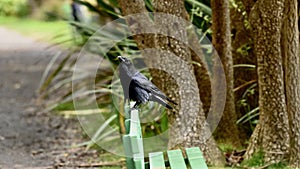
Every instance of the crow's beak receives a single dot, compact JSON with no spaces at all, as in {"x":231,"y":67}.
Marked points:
{"x":121,"y":59}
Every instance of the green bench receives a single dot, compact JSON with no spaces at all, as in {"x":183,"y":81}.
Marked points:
{"x":133,"y":144}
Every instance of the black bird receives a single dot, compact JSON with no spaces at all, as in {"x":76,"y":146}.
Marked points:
{"x":138,"y":88}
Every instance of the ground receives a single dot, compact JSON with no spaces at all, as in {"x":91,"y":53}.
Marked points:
{"x":29,"y":136}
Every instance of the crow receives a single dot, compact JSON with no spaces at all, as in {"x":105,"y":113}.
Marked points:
{"x":138,"y":88}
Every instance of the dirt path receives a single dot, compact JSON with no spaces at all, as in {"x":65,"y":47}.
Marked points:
{"x":28,"y":137}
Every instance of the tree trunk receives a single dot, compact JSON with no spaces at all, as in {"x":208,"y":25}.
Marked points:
{"x":222,"y":43}
{"x":273,"y":138}
{"x":171,"y":54}
{"x":290,"y":48}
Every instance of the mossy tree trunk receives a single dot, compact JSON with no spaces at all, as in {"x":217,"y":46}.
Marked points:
{"x":266,"y":19}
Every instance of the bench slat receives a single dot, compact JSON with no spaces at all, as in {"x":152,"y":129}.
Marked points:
{"x":133,"y":143}
{"x":128,"y":152}
{"x":157,"y":160}
{"x":127,"y":126}
{"x":135,"y":124}
{"x":139,"y":163}
{"x":176,"y":159}
{"x":196,"y":159}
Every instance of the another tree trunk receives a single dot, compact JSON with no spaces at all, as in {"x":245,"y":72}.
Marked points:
{"x":290,"y":48}
{"x":227,"y":131}
{"x":273,"y":138}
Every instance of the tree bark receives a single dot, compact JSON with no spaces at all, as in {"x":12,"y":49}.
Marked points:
{"x":290,"y":49}
{"x":192,"y":137}
{"x":188,"y":119}
{"x":266,"y":20}
{"x":221,"y":40}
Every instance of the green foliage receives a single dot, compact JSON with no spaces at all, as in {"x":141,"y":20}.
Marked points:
{"x":281,"y":165}
{"x":226,"y":147}
{"x":64,"y":106}
{"x":109,"y":8}
{"x":200,"y":16}
{"x":100,"y":133}
{"x":251,"y":113}
{"x":203,"y":5}
{"x":50,"y":32}
{"x":244,"y":49}
{"x":17,"y":8}
{"x":248,"y":101}
{"x":256,"y":160}
{"x":52,"y":10}
{"x":239,"y":7}
{"x":155,"y":127}
{"x":249,"y":116}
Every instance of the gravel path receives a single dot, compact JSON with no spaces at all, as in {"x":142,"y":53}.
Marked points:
{"x":30,"y":138}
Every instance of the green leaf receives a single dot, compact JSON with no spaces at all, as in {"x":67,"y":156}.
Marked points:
{"x":204,"y":7}
{"x":101,"y":129}
{"x":244,"y":65}
{"x":248,"y":116}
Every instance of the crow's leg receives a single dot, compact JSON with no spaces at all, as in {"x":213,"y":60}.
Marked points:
{"x":136,"y":105}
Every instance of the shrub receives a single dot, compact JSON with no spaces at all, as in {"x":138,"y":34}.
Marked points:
{"x":17,"y":8}
{"x":50,"y":11}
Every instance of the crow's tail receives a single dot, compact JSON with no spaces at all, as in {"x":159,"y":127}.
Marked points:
{"x":160,"y":101}
{"x":171,"y":101}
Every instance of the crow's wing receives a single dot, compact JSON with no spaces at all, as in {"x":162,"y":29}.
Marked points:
{"x":147,"y":85}
{"x":139,"y":81}
{"x":144,"y":83}
{"x":140,"y":94}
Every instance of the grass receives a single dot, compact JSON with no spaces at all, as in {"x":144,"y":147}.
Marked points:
{"x":50,"y":32}
{"x":64,"y":106}
{"x":257,"y":161}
